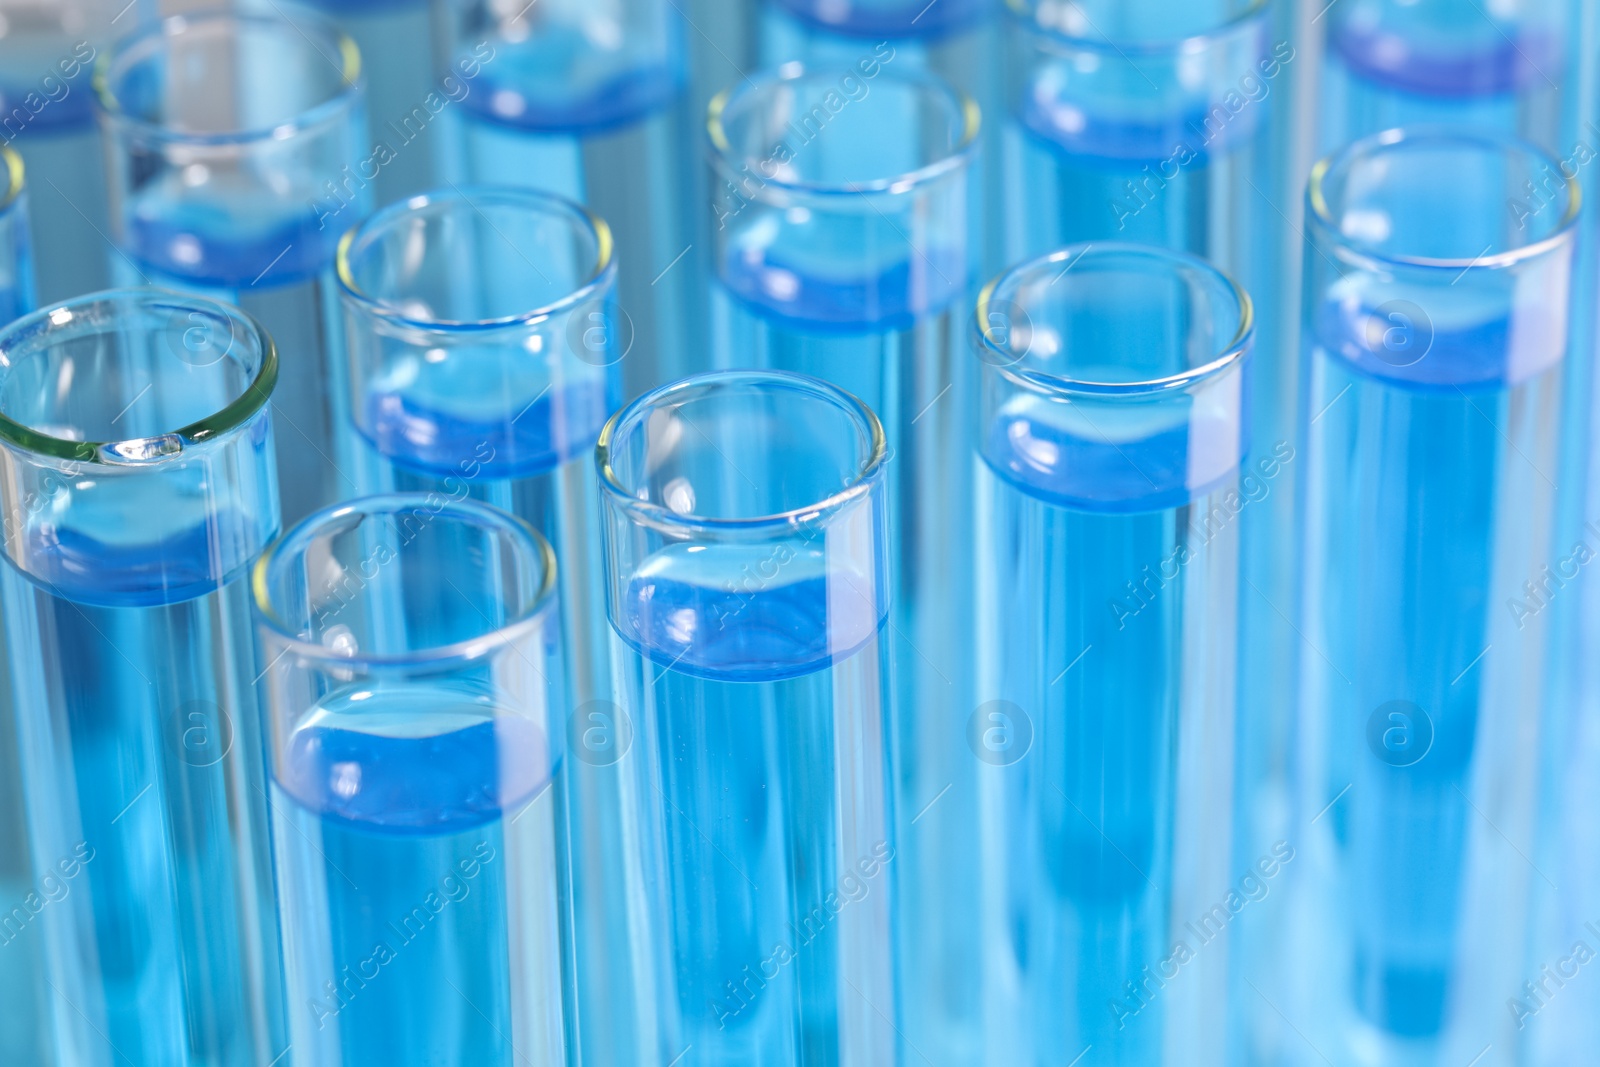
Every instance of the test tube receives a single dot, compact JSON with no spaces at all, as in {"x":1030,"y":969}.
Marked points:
{"x":957,"y":40}
{"x":236,"y":144}
{"x":24,"y":1040}
{"x":481,"y":326}
{"x":748,"y":591}
{"x":414,"y":726}
{"x":47,"y":55}
{"x":139,"y":487}
{"x":845,"y":251}
{"x":1436,"y":328}
{"x":405,"y":93}
{"x":1112,"y":421}
{"x":589,"y":101}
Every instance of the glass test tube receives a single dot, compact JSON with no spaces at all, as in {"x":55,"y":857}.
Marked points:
{"x":588,"y":100}
{"x":1112,"y":425}
{"x":47,"y":53}
{"x":234,"y":142}
{"x":844,"y":251}
{"x":405,"y":94}
{"x":1435,"y":332}
{"x":139,"y":487}
{"x":748,"y":591}
{"x":481,"y":326}
{"x":24,"y":1039}
{"x":957,"y":40}
{"x":414,"y":725}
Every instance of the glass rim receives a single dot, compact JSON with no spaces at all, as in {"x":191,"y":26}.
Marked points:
{"x":341,"y":44}
{"x":958,"y":157}
{"x":1231,"y":355}
{"x":252,"y":399}
{"x":1322,"y":218}
{"x":534,"y":200}
{"x":293,"y":542}
{"x":1026,"y":11}
{"x":16,"y":177}
{"x":869,"y":472}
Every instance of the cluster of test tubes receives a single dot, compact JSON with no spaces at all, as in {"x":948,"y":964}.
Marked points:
{"x":799,"y":533}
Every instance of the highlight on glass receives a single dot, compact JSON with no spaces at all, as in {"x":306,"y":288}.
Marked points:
{"x":242,"y":194}
{"x":1112,"y":424}
{"x":47,"y":58}
{"x":1436,"y":333}
{"x":138,"y":488}
{"x":589,"y":101}
{"x":846,"y":249}
{"x":748,"y":563}
{"x":16,"y":241}
{"x":414,"y":726}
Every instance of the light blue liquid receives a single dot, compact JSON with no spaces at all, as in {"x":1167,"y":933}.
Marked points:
{"x":140,"y":748}
{"x":1105,"y":622}
{"x":889,"y":337}
{"x":760,"y":710}
{"x":417,"y":849}
{"x":273,"y":261}
{"x":1425,"y":485}
{"x":590,"y":137}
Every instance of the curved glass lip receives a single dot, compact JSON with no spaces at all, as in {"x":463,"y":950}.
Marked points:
{"x":16,"y":177}
{"x":293,"y":542}
{"x":1027,"y":12}
{"x":534,"y":201}
{"x":339,"y":42}
{"x":959,"y":156}
{"x":1367,"y":147}
{"x":1232,"y":354}
{"x":233,"y":415}
{"x":660,"y":517}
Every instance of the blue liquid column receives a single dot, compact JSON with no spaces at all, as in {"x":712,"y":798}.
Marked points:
{"x":1435,"y":333}
{"x":414,"y":694}
{"x":748,"y":592}
{"x":25,"y":1039}
{"x":591,"y":102}
{"x":480,"y":324}
{"x":139,"y":480}
{"x":957,"y":40}
{"x":406,"y":93}
{"x":233,"y":139}
{"x":845,"y":251}
{"x":1112,"y":426}
{"x":47,"y":54}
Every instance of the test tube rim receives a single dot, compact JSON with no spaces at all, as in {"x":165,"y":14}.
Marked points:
{"x":538,"y":614}
{"x":348,"y":96}
{"x":1232,"y":354}
{"x":16,"y":180}
{"x":959,"y":157}
{"x":233,"y":415}
{"x":665,"y":519}
{"x":604,"y":271}
{"x":1025,"y":12}
{"x":1322,"y":220}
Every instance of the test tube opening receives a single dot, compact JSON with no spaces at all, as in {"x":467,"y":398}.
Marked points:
{"x":198,"y":77}
{"x":481,"y":256}
{"x":1146,"y":27}
{"x":405,"y":581}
